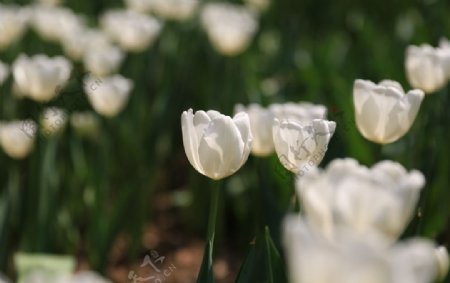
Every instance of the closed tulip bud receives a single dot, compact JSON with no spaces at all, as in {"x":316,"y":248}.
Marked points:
{"x":85,"y":123}
{"x":301,"y":147}
{"x":377,"y":201}
{"x":177,"y":10}
{"x":312,"y":258}
{"x":40,"y":77}
{"x":261,"y":120}
{"x":425,"y":68}
{"x":103,"y":60}
{"x":12,"y":24}
{"x":4,"y":72}
{"x":442,"y":261}
{"x":302,"y":112}
{"x":17,"y":138}
{"x":53,"y":121}
{"x":108,"y":96}
{"x":384,"y":113}
{"x":216,"y":145}
{"x":77,"y":43}
{"x":132,"y":31}
{"x":230,"y":27}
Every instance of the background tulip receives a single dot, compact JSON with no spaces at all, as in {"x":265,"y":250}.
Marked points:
{"x":12,"y":24}
{"x":425,"y":68}
{"x":378,"y":201}
{"x":216,"y":145}
{"x":443,"y":261}
{"x":4,"y":72}
{"x":175,"y":9}
{"x":40,"y":77}
{"x":384,"y":113}
{"x":302,"y":112}
{"x":17,"y":137}
{"x":109,"y":95}
{"x":300,"y":147}
{"x":53,"y":121}
{"x":261,"y":120}
{"x":230,"y":27}
{"x":103,"y":60}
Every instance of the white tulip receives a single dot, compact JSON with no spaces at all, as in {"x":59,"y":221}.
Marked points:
{"x":300,"y":147}
{"x":377,"y":201}
{"x":17,"y":137}
{"x":12,"y":24}
{"x":178,"y":10}
{"x":40,"y":77}
{"x":230,"y":27}
{"x":53,"y":121}
{"x":132,"y":31}
{"x":4,"y":72}
{"x":302,"y":112}
{"x":103,"y":60}
{"x":384,"y":113}
{"x":443,"y":261}
{"x":77,"y":43}
{"x":216,"y":145}
{"x":108,"y":96}
{"x":444,"y":50}
{"x":261,"y":120}
{"x":85,"y":123}
{"x":425,"y":68}
{"x":314,"y":259}
{"x":53,"y":23}
{"x":141,"y":6}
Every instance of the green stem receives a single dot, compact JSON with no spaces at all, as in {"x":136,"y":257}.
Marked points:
{"x":215,"y":193}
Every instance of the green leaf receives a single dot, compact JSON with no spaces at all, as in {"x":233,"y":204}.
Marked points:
{"x":206,"y":274}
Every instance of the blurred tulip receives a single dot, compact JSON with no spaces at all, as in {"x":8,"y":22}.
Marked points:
{"x":444,"y":50}
{"x":85,"y":123}
{"x":314,"y":259}
{"x":12,"y":24}
{"x":443,"y":261}
{"x":302,"y":112}
{"x":261,"y":120}
{"x":178,"y":10}
{"x":103,"y":60}
{"x":17,"y":137}
{"x":53,"y":121}
{"x":108,"y":96}
{"x":53,"y":23}
{"x":216,"y":145}
{"x":383,"y":112}
{"x":77,"y":43}
{"x":4,"y":72}
{"x":377,"y":201}
{"x":300,"y":147}
{"x":141,"y":6}
{"x":230,"y":27}
{"x":425,"y":68}
{"x":132,"y":31}
{"x":40,"y":77}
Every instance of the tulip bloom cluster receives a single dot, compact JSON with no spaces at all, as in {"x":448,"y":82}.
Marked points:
{"x":352,"y":217}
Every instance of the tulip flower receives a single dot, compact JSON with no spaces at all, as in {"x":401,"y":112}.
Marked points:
{"x":425,"y":68}
{"x":261,"y":120}
{"x":40,"y":77}
{"x":17,"y":137}
{"x":102,"y":60}
{"x":141,"y":6}
{"x":53,"y":121}
{"x":4,"y":72}
{"x":443,"y":261}
{"x":216,"y":145}
{"x":178,"y":10}
{"x":300,"y":147}
{"x":53,"y":23}
{"x":303,"y":112}
{"x":12,"y":24}
{"x":85,"y":123}
{"x":108,"y":96}
{"x":229,"y":27}
{"x":312,"y":258}
{"x":77,"y":43}
{"x":383,"y":112}
{"x":132,"y":31}
{"x":377,"y":201}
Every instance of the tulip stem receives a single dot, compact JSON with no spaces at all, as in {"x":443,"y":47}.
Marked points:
{"x":215,"y":192}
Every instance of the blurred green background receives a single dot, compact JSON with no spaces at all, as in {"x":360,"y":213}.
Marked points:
{"x":81,"y":196}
